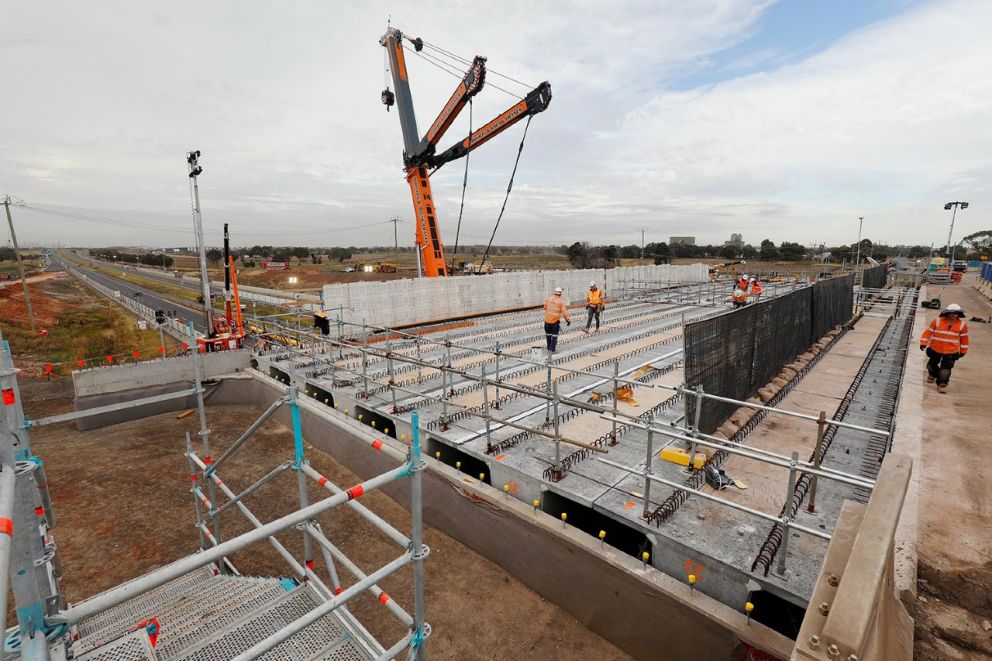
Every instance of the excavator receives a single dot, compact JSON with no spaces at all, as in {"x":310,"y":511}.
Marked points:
{"x":420,"y":157}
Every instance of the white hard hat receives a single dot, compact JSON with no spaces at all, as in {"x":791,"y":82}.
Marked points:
{"x":558,"y":290}
{"x":955,"y":308}
{"x":591,"y":285}
{"x":751,"y":280}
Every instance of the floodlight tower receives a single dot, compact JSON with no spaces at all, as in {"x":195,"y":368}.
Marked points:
{"x":948,"y":207}
{"x":194,"y":171}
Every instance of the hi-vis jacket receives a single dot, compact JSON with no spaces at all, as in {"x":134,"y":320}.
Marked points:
{"x":554,"y":310}
{"x":946,"y":336}
{"x":594,"y":297}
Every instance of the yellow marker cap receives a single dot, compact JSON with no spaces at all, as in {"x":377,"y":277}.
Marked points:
{"x":386,"y":430}
{"x":402,"y":437}
{"x":645,"y":556}
{"x":361,"y":415}
{"x":482,"y":477}
{"x":692,"y":579}
{"x":602,"y":534}
{"x":537,"y":503}
{"x":437,"y":455}
{"x":748,"y":607}
{"x":458,"y":464}
{"x":373,"y":423}
{"x":564,"y":516}
{"x":506,"y":487}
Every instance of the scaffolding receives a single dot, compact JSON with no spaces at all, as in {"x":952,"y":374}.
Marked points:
{"x":46,"y":626}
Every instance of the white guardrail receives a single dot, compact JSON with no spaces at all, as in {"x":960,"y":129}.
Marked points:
{"x":171,"y":326}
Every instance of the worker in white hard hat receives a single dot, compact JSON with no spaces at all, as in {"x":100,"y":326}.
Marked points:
{"x":739,"y":297}
{"x":554,"y":310}
{"x":946,"y":341}
{"x":595,"y":302}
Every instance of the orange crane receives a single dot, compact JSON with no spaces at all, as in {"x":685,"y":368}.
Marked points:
{"x":419,"y":154}
{"x":228,"y":331}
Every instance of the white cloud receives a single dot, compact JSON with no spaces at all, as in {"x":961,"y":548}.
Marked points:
{"x":102,"y":100}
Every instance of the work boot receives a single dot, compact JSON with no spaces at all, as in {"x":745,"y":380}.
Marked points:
{"x":585,"y":330}
{"x":930,"y":379}
{"x":942,"y":388}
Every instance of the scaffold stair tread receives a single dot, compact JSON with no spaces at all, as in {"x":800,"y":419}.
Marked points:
{"x":193,"y":609}
{"x":257,"y":625}
{"x":136,"y":646}
{"x":140,"y":604}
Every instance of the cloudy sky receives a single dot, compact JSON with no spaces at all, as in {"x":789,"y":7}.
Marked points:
{"x":783,"y":120}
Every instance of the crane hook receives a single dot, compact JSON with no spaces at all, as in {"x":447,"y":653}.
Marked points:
{"x":388,"y":98}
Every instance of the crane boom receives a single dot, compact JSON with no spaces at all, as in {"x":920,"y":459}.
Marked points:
{"x":419,"y":153}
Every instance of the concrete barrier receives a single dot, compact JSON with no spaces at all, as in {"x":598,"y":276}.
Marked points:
{"x":854,"y":612}
{"x":400,"y":302}
{"x":101,"y":386}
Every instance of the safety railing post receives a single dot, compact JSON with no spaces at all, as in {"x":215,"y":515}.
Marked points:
{"x":418,"y":551}
{"x":485,"y":409}
{"x":392,"y":373}
{"x":496,"y":377}
{"x":648,"y":470}
{"x":695,"y":427}
{"x":205,"y":441}
{"x":365,"y":375}
{"x":783,"y":551}
{"x":821,"y":428}
{"x":193,"y":478}
{"x":616,"y":392}
{"x":301,"y":478}
{"x":547,"y":404}
{"x":554,"y":396}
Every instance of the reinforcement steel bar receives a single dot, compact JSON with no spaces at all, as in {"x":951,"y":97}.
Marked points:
{"x":174,"y":570}
{"x":721,"y":501}
{"x":752,"y":453}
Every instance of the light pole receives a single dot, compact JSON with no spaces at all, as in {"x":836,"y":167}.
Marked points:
{"x":857,"y":262}
{"x":948,"y":207}
{"x":194,"y":170}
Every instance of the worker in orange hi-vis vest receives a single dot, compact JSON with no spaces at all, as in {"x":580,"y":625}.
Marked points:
{"x":595,"y":302}
{"x":554,"y":310}
{"x":946,"y":341}
{"x":755,"y":290}
{"x":739,"y":297}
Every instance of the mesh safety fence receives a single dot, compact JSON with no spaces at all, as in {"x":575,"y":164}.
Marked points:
{"x":875,"y":277}
{"x":734,"y":354}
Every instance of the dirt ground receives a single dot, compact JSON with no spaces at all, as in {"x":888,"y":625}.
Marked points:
{"x":122,"y":505}
{"x":953,"y":610}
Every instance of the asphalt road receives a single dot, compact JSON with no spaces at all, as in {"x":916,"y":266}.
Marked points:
{"x":147,"y":297}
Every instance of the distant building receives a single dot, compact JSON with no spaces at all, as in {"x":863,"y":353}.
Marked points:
{"x":736,"y":241}
{"x":684,"y":240}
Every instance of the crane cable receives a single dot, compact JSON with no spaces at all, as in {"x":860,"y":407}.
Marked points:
{"x":509,"y":187}
{"x":461,"y":209}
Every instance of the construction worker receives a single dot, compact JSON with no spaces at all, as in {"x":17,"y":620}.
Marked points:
{"x":739,"y":297}
{"x":554,"y":310}
{"x":742,"y":282}
{"x":595,"y":302}
{"x":945,"y":340}
{"x":755,"y":289}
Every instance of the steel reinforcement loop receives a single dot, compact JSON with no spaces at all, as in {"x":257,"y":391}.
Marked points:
{"x":769,"y":548}
{"x":675,"y":500}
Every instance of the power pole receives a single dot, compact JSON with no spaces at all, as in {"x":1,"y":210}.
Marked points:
{"x":396,"y":241}
{"x":857,"y":263}
{"x":194,"y":170}
{"x":20,"y":264}
{"x":642,"y":243}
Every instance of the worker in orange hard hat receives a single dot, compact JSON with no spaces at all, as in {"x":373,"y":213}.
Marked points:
{"x":595,"y":302}
{"x":554,"y":310}
{"x":946,"y":341}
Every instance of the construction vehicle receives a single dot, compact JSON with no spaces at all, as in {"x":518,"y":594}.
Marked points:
{"x":378,"y":267}
{"x":420,"y":159}
{"x":726,"y":268}
{"x":476,"y":269}
{"x":228,"y":331}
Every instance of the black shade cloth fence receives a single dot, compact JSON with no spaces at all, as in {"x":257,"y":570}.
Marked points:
{"x":734,"y":354}
{"x":875,"y":277}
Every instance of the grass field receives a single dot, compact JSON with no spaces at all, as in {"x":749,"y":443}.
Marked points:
{"x":80,"y":324}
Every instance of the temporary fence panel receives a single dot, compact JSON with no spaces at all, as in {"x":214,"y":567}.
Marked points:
{"x":987,"y":272}
{"x":734,"y":354}
{"x":875,"y":277}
